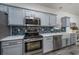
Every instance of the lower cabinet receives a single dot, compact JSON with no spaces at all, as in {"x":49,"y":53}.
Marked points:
{"x":47,"y":44}
{"x":73,"y":38}
{"x":12,"y":50}
{"x":69,"y":39}
{"x":58,"y":41}
{"x":13,"y":47}
{"x":65,"y":40}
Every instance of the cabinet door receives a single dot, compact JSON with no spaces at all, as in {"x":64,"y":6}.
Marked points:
{"x":37,"y":14}
{"x":47,"y":44}
{"x":32,"y":13}
{"x":65,"y":21}
{"x":63,"y":41}
{"x":73,"y":38}
{"x":52,"y":20}
{"x":44,"y":19}
{"x":16,"y":16}
{"x":47,"y":20}
{"x":68,"y":39}
{"x":4,"y":8}
{"x":12,"y":50}
{"x":28,"y":12}
{"x":68,"y":22}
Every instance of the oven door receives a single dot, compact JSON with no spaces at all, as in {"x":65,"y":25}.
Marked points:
{"x":33,"y":45}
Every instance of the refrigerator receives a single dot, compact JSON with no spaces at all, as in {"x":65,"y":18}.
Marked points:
{"x":4,"y":28}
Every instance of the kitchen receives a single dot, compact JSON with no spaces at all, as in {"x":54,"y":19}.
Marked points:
{"x":26,"y":31}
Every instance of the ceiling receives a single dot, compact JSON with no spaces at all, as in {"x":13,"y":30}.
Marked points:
{"x":68,"y":7}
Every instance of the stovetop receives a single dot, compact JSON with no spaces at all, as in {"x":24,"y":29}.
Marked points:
{"x":26,"y":37}
{"x":32,"y":36}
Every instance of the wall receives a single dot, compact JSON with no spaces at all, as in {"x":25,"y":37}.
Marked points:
{"x":73,"y":18}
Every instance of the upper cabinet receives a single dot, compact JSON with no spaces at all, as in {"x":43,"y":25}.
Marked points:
{"x":52,"y":19}
{"x":28,"y":13}
{"x":4,"y":8}
{"x":43,"y":16}
{"x":31,"y":13}
{"x":16,"y":16}
{"x":65,"y":21}
{"x":44,"y":19}
{"x":47,"y":19}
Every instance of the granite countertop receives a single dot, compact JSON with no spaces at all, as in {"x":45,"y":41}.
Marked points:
{"x":22,"y":36}
{"x":51,"y":34}
{"x":12,"y":37}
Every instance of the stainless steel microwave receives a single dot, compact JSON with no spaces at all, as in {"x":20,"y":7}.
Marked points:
{"x":32,"y":20}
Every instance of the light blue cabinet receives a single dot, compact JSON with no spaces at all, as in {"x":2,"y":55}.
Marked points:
{"x":47,"y":44}
{"x":12,"y":50}
{"x":44,"y":19}
{"x":43,"y":16}
{"x":28,"y":13}
{"x":64,"y":40}
{"x":47,"y":19}
{"x":65,"y":21}
{"x":4,"y":8}
{"x":52,"y":20}
{"x":12,"y":47}
{"x":67,"y":39}
{"x":73,"y":38}
{"x":31,"y":13}
{"x":16,"y":16}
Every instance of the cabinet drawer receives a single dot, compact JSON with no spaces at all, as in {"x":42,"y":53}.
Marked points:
{"x":9,"y":43}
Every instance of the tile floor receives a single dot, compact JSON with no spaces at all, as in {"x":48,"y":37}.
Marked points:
{"x":71,"y":50}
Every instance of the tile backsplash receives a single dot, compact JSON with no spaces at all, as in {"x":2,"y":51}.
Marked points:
{"x":20,"y":30}
{"x":46,"y":29}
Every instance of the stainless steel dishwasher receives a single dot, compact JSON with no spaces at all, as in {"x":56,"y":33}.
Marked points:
{"x":57,"y":42}
{"x":13,"y":47}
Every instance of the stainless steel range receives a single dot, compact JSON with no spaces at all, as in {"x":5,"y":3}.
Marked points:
{"x":32,"y":38}
{"x":33,"y":42}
